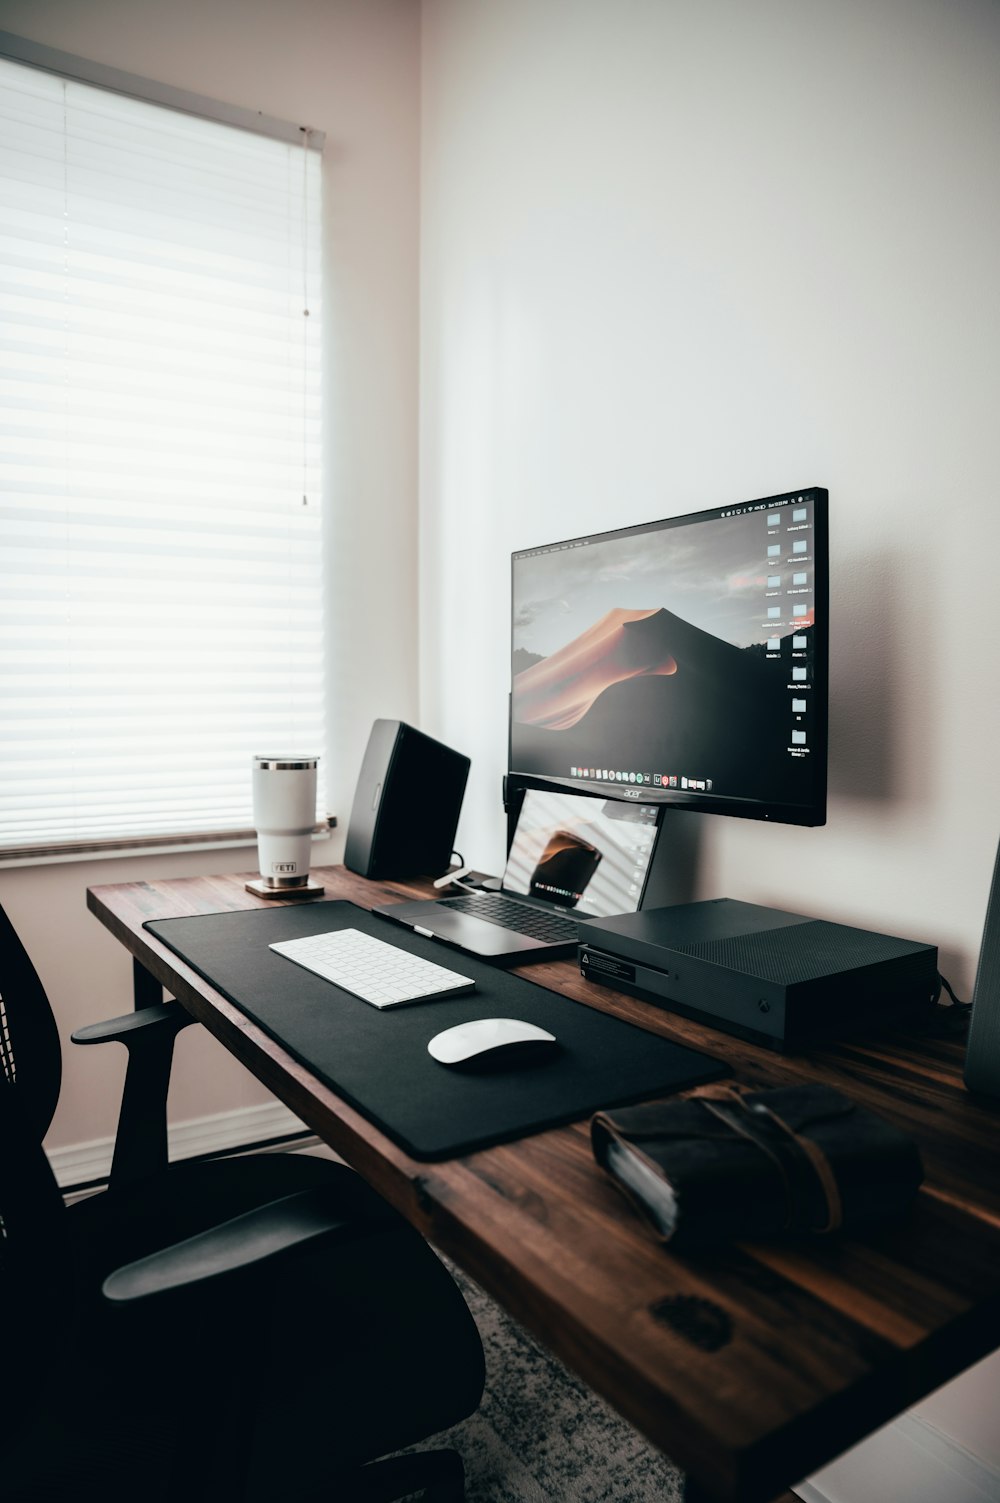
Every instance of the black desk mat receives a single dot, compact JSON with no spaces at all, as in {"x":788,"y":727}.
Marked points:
{"x":378,"y":1061}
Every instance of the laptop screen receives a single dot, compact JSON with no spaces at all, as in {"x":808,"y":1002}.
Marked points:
{"x":589,"y":854}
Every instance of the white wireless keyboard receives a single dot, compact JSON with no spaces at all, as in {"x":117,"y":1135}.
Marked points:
{"x":372,"y":969}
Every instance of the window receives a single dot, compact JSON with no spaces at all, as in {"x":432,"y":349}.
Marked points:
{"x":160,"y":495}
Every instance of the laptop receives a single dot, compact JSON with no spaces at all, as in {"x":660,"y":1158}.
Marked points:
{"x":570,"y":855}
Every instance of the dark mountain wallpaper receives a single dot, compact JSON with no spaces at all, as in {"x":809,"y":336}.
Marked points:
{"x":637,"y":680}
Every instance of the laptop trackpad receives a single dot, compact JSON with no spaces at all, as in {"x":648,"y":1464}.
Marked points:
{"x":475,"y":934}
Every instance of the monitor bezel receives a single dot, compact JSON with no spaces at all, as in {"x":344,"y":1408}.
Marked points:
{"x":811,"y":815}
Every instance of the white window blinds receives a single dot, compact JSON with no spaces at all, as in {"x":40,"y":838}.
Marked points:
{"x":161,"y":577}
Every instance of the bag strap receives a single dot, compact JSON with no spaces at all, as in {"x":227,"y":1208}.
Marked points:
{"x":802,"y":1164}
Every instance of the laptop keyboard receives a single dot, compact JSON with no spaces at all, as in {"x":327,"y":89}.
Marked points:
{"x":518,"y":917}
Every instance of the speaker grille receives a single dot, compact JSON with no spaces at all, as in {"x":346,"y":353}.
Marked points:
{"x":801,"y":952}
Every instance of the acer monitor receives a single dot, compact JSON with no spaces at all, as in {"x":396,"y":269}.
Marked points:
{"x":681,"y":662}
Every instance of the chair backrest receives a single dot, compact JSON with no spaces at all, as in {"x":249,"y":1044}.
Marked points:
{"x":30,"y":1058}
{"x":34,"y":1283}
{"x":36,"y":1293}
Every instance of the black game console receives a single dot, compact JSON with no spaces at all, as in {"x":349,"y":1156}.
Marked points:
{"x":779,"y":979}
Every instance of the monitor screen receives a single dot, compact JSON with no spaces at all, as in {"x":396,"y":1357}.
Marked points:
{"x":588,"y":854}
{"x":681,"y":662}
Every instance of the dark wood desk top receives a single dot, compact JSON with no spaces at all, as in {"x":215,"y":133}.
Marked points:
{"x":751,"y":1367}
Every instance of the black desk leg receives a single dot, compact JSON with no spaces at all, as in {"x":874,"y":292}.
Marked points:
{"x":146,"y":990}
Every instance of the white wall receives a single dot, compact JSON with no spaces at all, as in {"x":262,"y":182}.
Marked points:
{"x":681,"y":255}
{"x":352,"y":70}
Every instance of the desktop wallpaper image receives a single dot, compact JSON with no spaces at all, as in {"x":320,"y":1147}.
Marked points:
{"x":714,"y":576}
{"x":658,"y":640}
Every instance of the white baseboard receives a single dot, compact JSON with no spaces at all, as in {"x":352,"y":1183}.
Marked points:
{"x":82,"y":1163}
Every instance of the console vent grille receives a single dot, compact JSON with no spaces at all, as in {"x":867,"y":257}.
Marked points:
{"x":801,"y":952}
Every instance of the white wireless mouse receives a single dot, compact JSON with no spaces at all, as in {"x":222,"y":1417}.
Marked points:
{"x":492,"y":1041}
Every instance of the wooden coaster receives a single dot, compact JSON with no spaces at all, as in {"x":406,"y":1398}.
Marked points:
{"x":262,"y":889}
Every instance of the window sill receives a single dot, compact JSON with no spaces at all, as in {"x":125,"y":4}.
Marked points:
{"x":141,"y":845}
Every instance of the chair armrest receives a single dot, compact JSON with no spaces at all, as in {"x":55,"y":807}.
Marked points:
{"x":148,"y":1034}
{"x":117,"y":1030}
{"x":311,"y":1216}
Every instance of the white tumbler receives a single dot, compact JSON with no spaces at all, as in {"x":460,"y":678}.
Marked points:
{"x":284,"y":815}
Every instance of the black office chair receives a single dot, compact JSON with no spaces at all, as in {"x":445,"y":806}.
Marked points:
{"x":257,"y":1328}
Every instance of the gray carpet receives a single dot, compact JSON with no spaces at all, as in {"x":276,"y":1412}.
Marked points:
{"x":541,"y":1436}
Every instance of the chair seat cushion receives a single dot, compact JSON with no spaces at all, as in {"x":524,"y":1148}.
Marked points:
{"x":110,"y":1229}
{"x":357,"y":1349}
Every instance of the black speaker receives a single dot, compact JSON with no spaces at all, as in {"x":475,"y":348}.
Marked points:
{"x":982,"y":1055}
{"x":406,"y":804}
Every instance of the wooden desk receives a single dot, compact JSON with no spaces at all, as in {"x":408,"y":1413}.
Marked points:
{"x":751,"y":1367}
